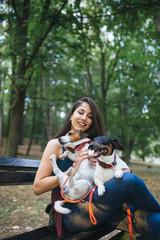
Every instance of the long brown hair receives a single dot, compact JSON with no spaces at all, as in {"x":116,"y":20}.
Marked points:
{"x":97,"y":128}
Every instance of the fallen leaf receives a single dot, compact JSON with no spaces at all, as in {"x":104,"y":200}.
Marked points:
{"x":29,"y":228}
{"x":16,"y":227}
{"x":29,"y":208}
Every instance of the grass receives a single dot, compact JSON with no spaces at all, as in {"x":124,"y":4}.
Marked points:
{"x":21,"y":210}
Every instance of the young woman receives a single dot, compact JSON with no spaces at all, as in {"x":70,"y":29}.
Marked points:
{"x":86,"y":116}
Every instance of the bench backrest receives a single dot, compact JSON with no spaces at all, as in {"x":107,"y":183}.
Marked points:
{"x":17,"y":171}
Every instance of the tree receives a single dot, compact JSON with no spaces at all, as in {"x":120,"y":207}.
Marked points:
{"x":108,"y":51}
{"x":23,"y":54}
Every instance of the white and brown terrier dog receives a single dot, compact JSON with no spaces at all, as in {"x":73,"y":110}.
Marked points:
{"x":83,"y":180}
{"x":108,"y":164}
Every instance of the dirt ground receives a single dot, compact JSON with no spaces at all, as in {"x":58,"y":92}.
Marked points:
{"x":21,"y":210}
{"x":35,"y":151}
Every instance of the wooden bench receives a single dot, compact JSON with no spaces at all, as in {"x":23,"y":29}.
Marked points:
{"x":16,"y":171}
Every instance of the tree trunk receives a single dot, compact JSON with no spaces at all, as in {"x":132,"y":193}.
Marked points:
{"x":90,"y":84}
{"x":49,"y":117}
{"x":104,"y":83}
{"x":128,"y":142}
{"x":157,"y":22}
{"x":32,"y":133}
{"x":1,"y":116}
{"x":16,"y":117}
{"x":126,"y":155}
{"x":4,"y":73}
{"x":49,"y":122}
{"x":21,"y":80}
{"x":33,"y":120}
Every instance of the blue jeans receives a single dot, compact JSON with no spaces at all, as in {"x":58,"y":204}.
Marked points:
{"x":107,"y":208}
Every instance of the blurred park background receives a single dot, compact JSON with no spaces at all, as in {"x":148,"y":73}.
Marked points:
{"x":54,"y":52}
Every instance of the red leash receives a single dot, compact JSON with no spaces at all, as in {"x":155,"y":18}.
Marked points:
{"x":129,"y":221}
{"x":91,"y":214}
{"x":94,"y":221}
{"x":73,"y":201}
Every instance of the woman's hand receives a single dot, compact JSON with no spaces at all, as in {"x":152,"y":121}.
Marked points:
{"x":92,"y":161}
{"x":80,"y":156}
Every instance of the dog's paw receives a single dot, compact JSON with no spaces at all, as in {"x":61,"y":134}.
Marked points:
{"x":118,"y":174}
{"x":124,"y":207}
{"x":70,"y":172}
{"x":101,"y":190}
{"x":53,"y":157}
{"x":63,"y":155}
{"x":53,"y":162}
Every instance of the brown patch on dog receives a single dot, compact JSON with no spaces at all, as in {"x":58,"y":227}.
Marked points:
{"x":109,"y":152}
{"x":76,"y":135}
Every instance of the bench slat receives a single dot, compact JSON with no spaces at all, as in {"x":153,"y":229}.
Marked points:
{"x":16,"y":164}
{"x":16,"y":178}
{"x":43,"y":233}
{"x":96,"y":234}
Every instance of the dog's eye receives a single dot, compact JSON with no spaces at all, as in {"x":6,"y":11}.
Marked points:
{"x":105,"y":149}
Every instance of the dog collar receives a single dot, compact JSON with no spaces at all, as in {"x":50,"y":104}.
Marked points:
{"x":106,"y":165}
{"x":79,"y":147}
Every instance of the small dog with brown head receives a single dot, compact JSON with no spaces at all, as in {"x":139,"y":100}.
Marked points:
{"x":108,"y":164}
{"x":79,"y":184}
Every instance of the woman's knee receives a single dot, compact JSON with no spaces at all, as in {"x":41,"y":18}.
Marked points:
{"x":131,"y":180}
{"x":128,"y":182}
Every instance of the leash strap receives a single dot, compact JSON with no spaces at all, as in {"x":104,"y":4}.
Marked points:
{"x":91,"y":214}
{"x":129,"y":221}
{"x":94,"y":221}
{"x":73,"y":201}
{"x":91,"y":192}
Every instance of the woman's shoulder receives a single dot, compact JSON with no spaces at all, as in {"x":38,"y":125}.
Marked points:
{"x":54,"y":146}
{"x":54,"y":141}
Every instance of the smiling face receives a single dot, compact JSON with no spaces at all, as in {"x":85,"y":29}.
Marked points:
{"x":82,"y":118}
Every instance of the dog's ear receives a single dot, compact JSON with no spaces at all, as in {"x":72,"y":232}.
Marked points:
{"x":117,"y":144}
{"x":84,"y":135}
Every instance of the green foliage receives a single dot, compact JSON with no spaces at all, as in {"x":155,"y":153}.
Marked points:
{"x":106,"y":50}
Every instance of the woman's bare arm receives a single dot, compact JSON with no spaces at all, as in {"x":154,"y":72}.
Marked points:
{"x":43,"y":181}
